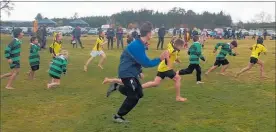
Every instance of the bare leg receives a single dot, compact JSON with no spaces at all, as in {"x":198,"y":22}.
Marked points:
{"x":112,"y":80}
{"x":55,"y":82}
{"x":31,"y":75}
{"x":154,"y":83}
{"x":211,"y":69}
{"x":87,"y":63}
{"x":103,"y":56}
{"x":12,"y":78}
{"x":177,"y":84}
{"x":261,"y":63}
{"x":222,"y":72}
{"x":250,"y":65}
{"x":6,"y":75}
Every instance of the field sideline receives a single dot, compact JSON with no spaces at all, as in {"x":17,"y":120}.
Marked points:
{"x":223,"y":104}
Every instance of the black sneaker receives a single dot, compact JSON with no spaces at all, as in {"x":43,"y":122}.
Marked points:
{"x":112,"y":88}
{"x":119,"y":119}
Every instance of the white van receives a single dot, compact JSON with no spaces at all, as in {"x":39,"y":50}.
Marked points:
{"x":65,"y":30}
{"x":105,"y":27}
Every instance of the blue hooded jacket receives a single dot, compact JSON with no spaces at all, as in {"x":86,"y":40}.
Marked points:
{"x":133,"y":59}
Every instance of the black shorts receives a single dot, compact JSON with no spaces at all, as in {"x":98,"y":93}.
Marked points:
{"x":35,"y":68}
{"x":15,"y":65}
{"x":253,"y":60}
{"x":221,"y":62}
{"x":53,"y":76}
{"x":170,"y":74}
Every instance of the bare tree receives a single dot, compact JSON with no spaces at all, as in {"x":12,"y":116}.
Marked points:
{"x":263,"y":17}
{"x":7,"y":6}
{"x":268,"y":18}
{"x":76,"y":16}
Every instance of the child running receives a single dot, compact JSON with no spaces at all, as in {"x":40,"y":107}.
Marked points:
{"x":58,"y":67}
{"x":256,"y":49}
{"x":195,"y":54}
{"x":12,"y":54}
{"x":226,"y":48}
{"x":131,"y":61}
{"x":97,"y":51}
{"x":34,"y":58}
{"x":56,"y":46}
{"x":164,"y":70}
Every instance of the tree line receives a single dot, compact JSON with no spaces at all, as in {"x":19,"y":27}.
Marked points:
{"x":176,"y":17}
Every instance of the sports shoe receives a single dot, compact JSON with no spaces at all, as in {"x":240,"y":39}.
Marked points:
{"x":112,"y":88}
{"x":119,"y":119}
{"x":199,"y":82}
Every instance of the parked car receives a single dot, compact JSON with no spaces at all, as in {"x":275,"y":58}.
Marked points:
{"x":270,"y":32}
{"x":156,"y":30}
{"x":170,"y":31}
{"x":252,"y":32}
{"x":65,"y":30}
{"x":124,"y":30}
{"x":84,"y":31}
{"x":245,"y":32}
{"x":24,"y":29}
{"x":105,"y":27}
{"x":209,"y":31}
{"x":5,"y":30}
{"x":93,"y":31}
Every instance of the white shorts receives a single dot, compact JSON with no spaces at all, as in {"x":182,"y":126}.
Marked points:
{"x":96,"y":53}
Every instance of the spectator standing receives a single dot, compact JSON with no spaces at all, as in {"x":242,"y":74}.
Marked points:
{"x":233,"y":34}
{"x":265,"y":34}
{"x":43,"y":37}
{"x":110,"y":37}
{"x":119,"y":36}
{"x":77,"y":35}
{"x":161,"y":35}
{"x":174,"y":31}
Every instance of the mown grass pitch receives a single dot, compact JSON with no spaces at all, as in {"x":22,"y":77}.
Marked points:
{"x":223,"y":104}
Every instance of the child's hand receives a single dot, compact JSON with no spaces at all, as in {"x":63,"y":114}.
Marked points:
{"x":142,"y":76}
{"x":177,"y":61}
{"x":10,"y":61}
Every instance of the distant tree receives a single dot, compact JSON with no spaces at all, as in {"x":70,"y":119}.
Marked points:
{"x":7,"y":6}
{"x":268,"y":18}
{"x":240,"y":24}
{"x":38,"y":17}
{"x":75,"y":16}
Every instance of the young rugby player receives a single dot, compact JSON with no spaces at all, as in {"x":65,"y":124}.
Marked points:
{"x":226,"y":48}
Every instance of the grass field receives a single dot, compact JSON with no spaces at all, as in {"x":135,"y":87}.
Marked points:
{"x":223,"y":104}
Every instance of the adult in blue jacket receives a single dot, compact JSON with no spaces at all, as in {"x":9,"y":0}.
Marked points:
{"x":132,"y":60}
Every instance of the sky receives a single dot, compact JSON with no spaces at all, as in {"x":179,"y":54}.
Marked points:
{"x":244,"y":11}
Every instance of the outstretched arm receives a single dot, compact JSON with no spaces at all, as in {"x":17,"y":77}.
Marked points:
{"x":139,"y":54}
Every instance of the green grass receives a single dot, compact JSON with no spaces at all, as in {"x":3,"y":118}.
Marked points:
{"x":223,"y":104}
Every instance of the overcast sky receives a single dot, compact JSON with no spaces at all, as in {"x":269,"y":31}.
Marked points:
{"x":244,"y":11}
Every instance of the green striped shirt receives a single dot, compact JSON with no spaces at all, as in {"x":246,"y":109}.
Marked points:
{"x":58,"y":66}
{"x":195,"y":53}
{"x":225,"y":49}
{"x":34,"y":58}
{"x":12,"y":51}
